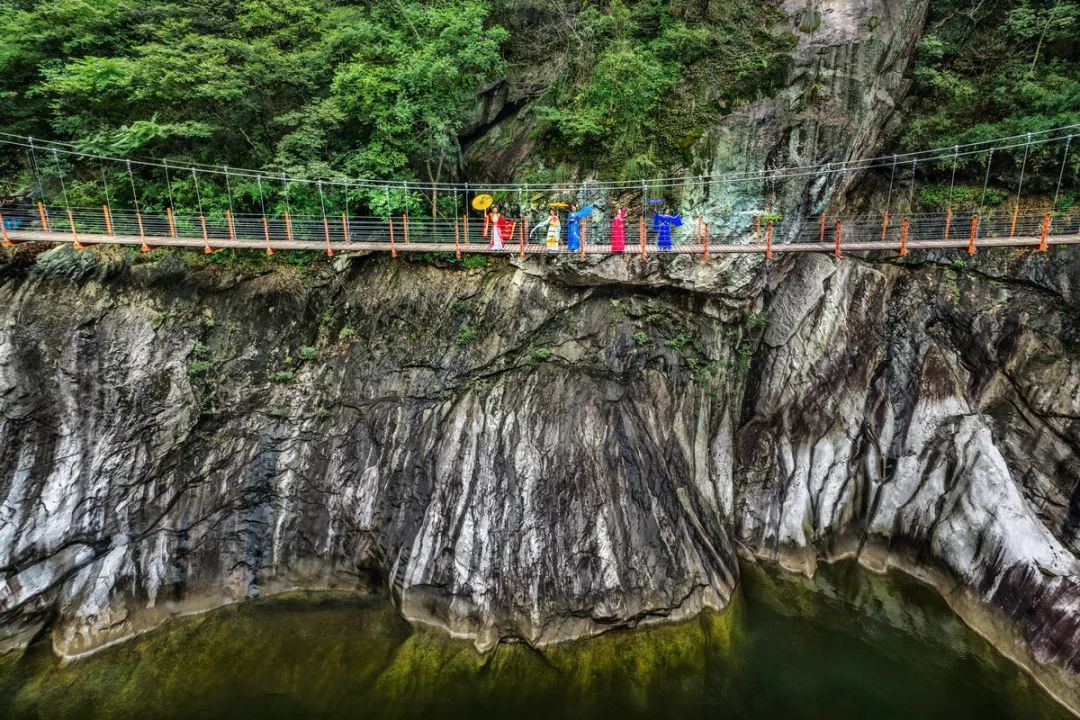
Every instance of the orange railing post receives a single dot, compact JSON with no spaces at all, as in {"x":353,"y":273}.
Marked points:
{"x":288,"y":226}
{"x":4,"y":233}
{"x":821,"y":235}
{"x":884,"y":226}
{"x":326,"y":234}
{"x":229,"y":223}
{"x":757,"y":229}
{"x":266,"y":235}
{"x":521,"y":237}
{"x":974,"y":231}
{"x":465,"y":227}
{"x":107,"y":214}
{"x":582,"y":238}
{"x":1015,"y":217}
{"x":641,"y":234}
{"x":74,"y":233}
{"x":205,"y":236}
{"x":172,"y":222}
{"x":345,"y":227}
{"x":44,"y":217}
{"x":768,"y":242}
{"x":948,"y":222}
{"x":705,"y":254}
{"x":393,"y":250}
{"x":836,"y":239}
{"x":457,"y":238}
{"x":903,"y":237}
{"x":1045,"y":232}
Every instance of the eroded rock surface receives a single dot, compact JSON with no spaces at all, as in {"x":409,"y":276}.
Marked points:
{"x":538,"y":450}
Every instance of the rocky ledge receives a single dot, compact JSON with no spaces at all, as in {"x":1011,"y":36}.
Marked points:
{"x":537,"y":450}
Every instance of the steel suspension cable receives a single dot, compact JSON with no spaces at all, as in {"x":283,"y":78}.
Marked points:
{"x":36,"y":170}
{"x":60,"y":175}
{"x":198,"y":194}
{"x":134,"y":194}
{"x":1061,"y":174}
{"x":1023,"y":169}
{"x":228,"y":190}
{"x":952,"y":182}
{"x":105,"y":182}
{"x":168,"y":183}
{"x":986,"y":182}
{"x":911,"y":190}
{"x":892,"y":179}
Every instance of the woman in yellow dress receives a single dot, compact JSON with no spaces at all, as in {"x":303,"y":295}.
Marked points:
{"x":554,"y":230}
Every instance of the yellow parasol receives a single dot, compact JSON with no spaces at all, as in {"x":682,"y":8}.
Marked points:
{"x":482,"y":202}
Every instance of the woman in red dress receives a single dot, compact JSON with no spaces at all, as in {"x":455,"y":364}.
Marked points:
{"x":618,"y":231}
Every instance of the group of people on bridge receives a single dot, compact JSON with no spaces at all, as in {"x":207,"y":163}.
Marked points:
{"x":500,"y":229}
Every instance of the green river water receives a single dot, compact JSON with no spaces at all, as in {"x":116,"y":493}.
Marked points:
{"x":845,"y":645}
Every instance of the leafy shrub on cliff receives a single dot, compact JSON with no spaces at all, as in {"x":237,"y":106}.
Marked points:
{"x":196,"y":368}
{"x":539,"y":355}
{"x":465,"y":335}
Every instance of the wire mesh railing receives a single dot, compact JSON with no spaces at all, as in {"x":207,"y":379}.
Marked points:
{"x":38,"y":222}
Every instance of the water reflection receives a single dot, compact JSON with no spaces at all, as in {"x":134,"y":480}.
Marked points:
{"x":846,"y":645}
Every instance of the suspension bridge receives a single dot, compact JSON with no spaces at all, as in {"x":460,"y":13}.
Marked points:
{"x":45,"y":213}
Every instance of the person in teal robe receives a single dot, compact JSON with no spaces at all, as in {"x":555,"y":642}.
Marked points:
{"x":573,"y":226}
{"x":662,"y":224}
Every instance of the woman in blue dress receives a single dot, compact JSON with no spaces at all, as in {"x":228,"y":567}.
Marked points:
{"x":662,"y":224}
{"x":573,"y":226}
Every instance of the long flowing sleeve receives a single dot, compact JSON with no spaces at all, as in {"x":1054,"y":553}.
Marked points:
{"x":583,"y":212}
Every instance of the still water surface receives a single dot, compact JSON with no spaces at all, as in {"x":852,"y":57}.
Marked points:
{"x":846,"y":645}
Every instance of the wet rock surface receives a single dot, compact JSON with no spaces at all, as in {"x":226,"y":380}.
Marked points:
{"x":534,"y":450}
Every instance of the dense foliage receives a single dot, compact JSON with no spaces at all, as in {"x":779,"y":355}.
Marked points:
{"x":306,"y":86}
{"x":643,"y":78}
{"x":394,"y":88}
{"x":987,"y":69}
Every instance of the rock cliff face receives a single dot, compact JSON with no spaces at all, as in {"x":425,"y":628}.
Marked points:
{"x":539,"y":450}
{"x":548,"y":448}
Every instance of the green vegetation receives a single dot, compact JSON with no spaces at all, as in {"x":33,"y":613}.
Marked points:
{"x":745,"y":357}
{"x":645,"y":78}
{"x":540,"y":355}
{"x":994,"y":69}
{"x":757,"y":320}
{"x":465,"y":335}
{"x":282,"y":376}
{"x":962,"y":197}
{"x":307,"y":352}
{"x":346,"y":333}
{"x":158,"y":320}
{"x":196,"y":368}
{"x":640,"y":337}
{"x":312,"y":87}
{"x":680,"y":341}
